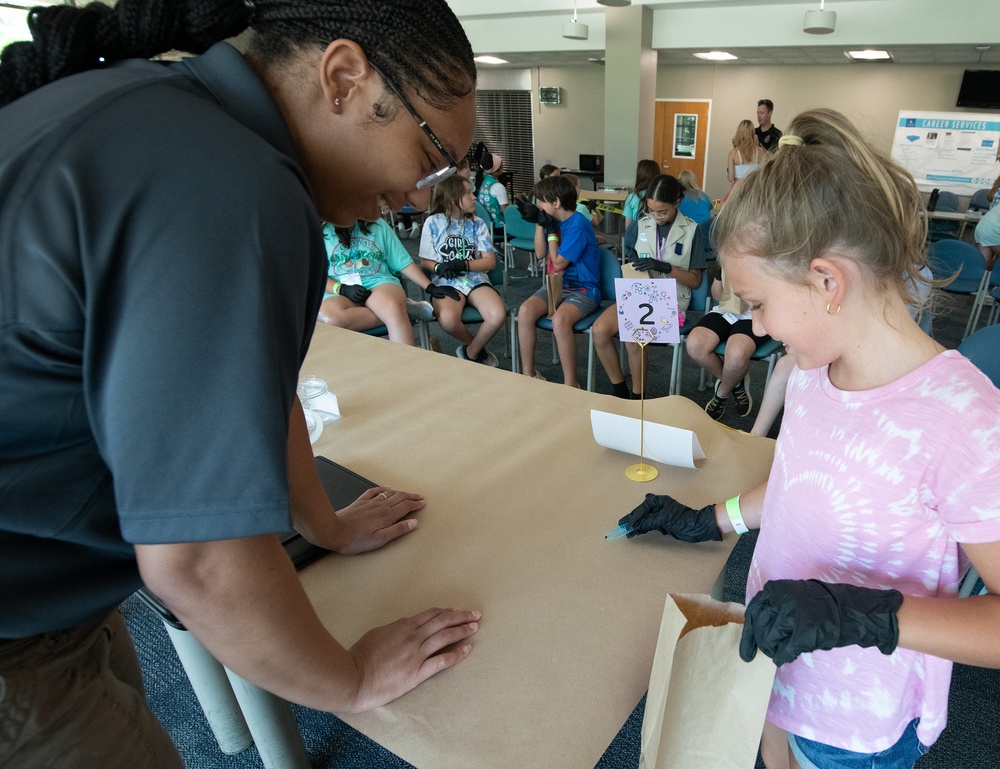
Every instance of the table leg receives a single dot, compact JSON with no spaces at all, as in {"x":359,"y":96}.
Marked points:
{"x":214,"y":693}
{"x":272,"y":725}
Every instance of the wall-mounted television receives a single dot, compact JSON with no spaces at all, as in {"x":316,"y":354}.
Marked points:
{"x":980,"y":89}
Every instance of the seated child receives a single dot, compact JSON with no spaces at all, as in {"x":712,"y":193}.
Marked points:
{"x":363,"y":289}
{"x":457,"y":247}
{"x":663,"y":243}
{"x":573,"y":252}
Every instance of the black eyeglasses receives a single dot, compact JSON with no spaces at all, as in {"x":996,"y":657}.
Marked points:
{"x":448,"y":170}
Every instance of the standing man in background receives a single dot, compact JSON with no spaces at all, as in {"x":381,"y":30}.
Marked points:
{"x":767,"y":133}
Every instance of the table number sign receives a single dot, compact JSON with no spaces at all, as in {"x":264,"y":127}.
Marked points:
{"x":649,"y":305}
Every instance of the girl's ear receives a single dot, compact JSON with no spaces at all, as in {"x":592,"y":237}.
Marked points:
{"x":830,"y":277}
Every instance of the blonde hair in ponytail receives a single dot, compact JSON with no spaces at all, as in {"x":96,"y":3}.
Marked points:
{"x":832,"y":192}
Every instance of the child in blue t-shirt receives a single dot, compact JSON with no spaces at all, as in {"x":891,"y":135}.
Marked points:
{"x":573,"y":252}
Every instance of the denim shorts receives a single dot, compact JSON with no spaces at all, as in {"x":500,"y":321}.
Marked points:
{"x":902,"y":755}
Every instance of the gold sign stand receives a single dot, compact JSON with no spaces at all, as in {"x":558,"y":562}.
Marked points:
{"x":641,"y":473}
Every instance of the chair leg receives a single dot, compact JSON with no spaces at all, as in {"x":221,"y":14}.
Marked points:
{"x":675,"y":369}
{"x":515,"y":352}
{"x":555,"y":350}
{"x":590,"y":361}
{"x":977,"y":304}
{"x":424,"y":334}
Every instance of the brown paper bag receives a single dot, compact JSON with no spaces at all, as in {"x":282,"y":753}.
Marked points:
{"x":629,"y":271}
{"x":553,"y":285}
{"x":705,"y":706}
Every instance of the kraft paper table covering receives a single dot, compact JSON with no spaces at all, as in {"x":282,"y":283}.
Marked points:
{"x":519,"y":497}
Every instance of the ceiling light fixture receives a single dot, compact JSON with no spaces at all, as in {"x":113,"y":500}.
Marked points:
{"x":868,"y":55}
{"x":614,"y":3}
{"x":575,"y":30}
{"x":716,"y":56}
{"x":490,"y":60}
{"x":820,"y":22}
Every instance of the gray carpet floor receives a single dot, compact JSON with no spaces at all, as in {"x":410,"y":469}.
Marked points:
{"x":971,"y":740}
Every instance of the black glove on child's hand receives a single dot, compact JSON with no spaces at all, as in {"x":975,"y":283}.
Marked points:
{"x":667,"y":515}
{"x":442,"y":292}
{"x":591,"y":205}
{"x":528,"y":210}
{"x":452,"y":268}
{"x":649,"y":264}
{"x":789,"y":617}
{"x":548,"y":223}
{"x":355,"y":293}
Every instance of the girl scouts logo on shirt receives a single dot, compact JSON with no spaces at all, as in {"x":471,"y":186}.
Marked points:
{"x":647,"y":310}
{"x":457,"y":247}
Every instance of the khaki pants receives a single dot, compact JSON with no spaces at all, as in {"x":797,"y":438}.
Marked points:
{"x":74,"y":699}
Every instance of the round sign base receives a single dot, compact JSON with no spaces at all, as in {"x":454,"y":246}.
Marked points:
{"x":641,"y":473}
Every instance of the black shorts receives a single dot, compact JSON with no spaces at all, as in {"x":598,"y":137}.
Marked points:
{"x":717,"y":323}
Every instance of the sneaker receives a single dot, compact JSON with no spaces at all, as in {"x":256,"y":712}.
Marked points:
{"x":401,"y":231}
{"x":487,"y":358}
{"x":415,"y":231}
{"x":716,"y":405}
{"x":419,"y":310}
{"x":743,"y":400}
{"x":461,"y":352}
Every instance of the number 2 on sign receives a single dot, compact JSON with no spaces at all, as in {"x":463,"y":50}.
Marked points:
{"x":648,"y":304}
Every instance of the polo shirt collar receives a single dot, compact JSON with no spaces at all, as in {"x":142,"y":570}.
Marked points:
{"x":225,"y":74}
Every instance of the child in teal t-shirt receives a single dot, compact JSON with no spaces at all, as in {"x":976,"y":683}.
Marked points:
{"x":363,"y":288}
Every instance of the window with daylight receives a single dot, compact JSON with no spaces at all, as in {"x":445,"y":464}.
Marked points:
{"x":503,"y":124}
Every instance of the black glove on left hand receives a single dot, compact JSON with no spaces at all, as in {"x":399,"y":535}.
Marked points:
{"x":789,"y":617}
{"x":528,"y":210}
{"x":452,"y":268}
{"x":355,"y":293}
{"x":649,"y":264}
{"x":442,"y":292}
{"x":548,"y":224}
{"x":667,"y":515}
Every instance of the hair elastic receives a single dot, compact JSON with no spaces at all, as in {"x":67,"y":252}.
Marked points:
{"x":790,"y":140}
{"x":736,"y":515}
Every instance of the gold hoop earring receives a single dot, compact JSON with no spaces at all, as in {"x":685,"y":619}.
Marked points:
{"x":834,"y":312}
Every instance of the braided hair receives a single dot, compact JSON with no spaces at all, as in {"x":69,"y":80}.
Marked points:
{"x":418,"y":44}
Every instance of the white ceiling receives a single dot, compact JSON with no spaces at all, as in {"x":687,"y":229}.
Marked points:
{"x":759,"y":32}
{"x":966,"y":55}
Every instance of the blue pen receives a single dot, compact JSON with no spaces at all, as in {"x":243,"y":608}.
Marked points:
{"x":621,"y":530}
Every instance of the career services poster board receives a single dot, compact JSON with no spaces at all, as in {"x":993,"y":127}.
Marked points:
{"x":954,"y":151}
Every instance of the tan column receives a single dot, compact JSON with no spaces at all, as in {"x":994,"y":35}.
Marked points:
{"x":629,"y":91}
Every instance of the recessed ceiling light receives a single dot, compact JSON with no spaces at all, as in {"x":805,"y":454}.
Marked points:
{"x":490,"y":60}
{"x":716,"y":56}
{"x":868,"y":55}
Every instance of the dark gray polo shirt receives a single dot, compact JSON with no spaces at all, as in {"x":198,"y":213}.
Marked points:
{"x":161,"y":267}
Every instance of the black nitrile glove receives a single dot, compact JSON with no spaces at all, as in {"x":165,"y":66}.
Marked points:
{"x":591,"y":205}
{"x":548,"y":224}
{"x":789,"y":617}
{"x":355,"y":293}
{"x":442,"y":292}
{"x":528,"y":210}
{"x":667,"y":515}
{"x":649,"y":264}
{"x":452,"y":268}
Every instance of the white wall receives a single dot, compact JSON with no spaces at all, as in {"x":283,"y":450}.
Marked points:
{"x":870,"y":94}
{"x":575,"y":127}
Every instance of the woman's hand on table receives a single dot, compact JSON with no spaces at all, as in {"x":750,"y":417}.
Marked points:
{"x":371,"y":521}
{"x":395,"y":658}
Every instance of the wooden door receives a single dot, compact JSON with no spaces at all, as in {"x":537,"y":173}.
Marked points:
{"x":680,"y":139}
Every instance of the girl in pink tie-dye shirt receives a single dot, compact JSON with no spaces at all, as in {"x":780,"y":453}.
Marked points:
{"x":886,"y":475}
